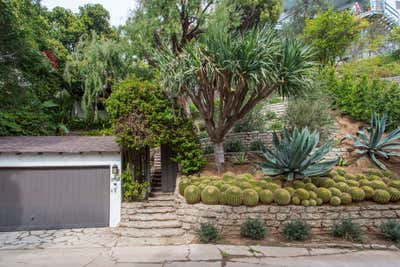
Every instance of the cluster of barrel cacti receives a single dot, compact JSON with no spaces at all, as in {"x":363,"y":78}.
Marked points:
{"x":336,"y":188}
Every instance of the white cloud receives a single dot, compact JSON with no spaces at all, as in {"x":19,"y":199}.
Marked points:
{"x":119,"y":9}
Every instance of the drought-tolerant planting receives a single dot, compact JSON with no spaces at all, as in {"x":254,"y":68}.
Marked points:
{"x":335,"y":188}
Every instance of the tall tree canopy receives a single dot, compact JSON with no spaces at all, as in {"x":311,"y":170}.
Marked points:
{"x":95,"y":17}
{"x":225,"y":75}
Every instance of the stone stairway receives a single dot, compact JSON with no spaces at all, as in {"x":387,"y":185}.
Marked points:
{"x":155,"y":218}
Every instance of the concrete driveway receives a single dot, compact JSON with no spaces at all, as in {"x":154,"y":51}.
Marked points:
{"x":109,"y":247}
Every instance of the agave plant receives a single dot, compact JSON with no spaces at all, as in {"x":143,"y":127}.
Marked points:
{"x":296,"y":155}
{"x":371,"y":141}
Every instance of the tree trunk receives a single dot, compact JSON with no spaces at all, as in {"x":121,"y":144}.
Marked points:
{"x":219,"y":156}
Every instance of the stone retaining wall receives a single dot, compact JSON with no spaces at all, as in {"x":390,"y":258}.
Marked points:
{"x":228,"y":219}
{"x":245,"y":138}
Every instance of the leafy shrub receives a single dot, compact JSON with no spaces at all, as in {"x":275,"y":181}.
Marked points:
{"x":207,"y":233}
{"x":292,"y":153}
{"x":391,"y":230}
{"x":276,"y":126}
{"x":234,"y":145}
{"x":257,"y":145}
{"x":311,"y":111}
{"x":297,"y":230}
{"x":348,"y":230}
{"x":374,"y":143}
{"x":253,"y":229}
{"x":209,"y":149}
{"x":133,"y":190}
{"x":251,"y":121}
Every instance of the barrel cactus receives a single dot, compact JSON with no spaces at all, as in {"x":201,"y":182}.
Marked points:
{"x":352,"y":183}
{"x":302,"y":194}
{"x":234,"y":196}
{"x":305,"y":203}
{"x":360,"y":176}
{"x":377,"y":184}
{"x":364,"y":182}
{"x":282,"y":196}
{"x":319,"y":202}
{"x":335,"y":192}
{"x":296,"y":200}
{"x":272,"y":186}
{"x":312,"y":202}
{"x":313,"y":195}
{"x":210,"y":195}
{"x":349,"y":176}
{"x":222,"y":198}
{"x":328,"y":182}
{"x":335,"y":201}
{"x":341,"y":171}
{"x":345,"y":198}
{"x":324,"y":194}
{"x":291,"y":190}
{"x":381,"y":196}
{"x":394,"y":194}
{"x":339,"y":178}
{"x":299,"y":184}
{"x":183,"y":183}
{"x":266,"y":196}
{"x":374,"y":178}
{"x":250,"y":197}
{"x":192,"y":194}
{"x":357,"y":194}
{"x":369,"y":191}
{"x":395,"y":184}
{"x":311,"y":187}
{"x":228,"y":176}
{"x":373,"y":171}
{"x":342,"y":186}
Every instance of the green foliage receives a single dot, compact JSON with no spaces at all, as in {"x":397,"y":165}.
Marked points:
{"x":324,"y":194}
{"x":234,"y":196}
{"x":360,"y":95}
{"x":250,"y":197}
{"x":95,"y":17}
{"x":257,"y":145}
{"x":391,"y":230}
{"x":210,"y":195}
{"x":133,"y":190}
{"x":381,"y":196}
{"x":234,"y":145}
{"x":240,"y":159}
{"x":207,"y":233}
{"x":332,"y":33}
{"x":266,"y":196}
{"x":252,"y":121}
{"x":347,"y":229}
{"x":297,"y":230}
{"x":373,"y":67}
{"x":142,"y":115}
{"x":335,"y":201}
{"x":302,"y":194}
{"x":345,"y":198}
{"x":372,"y":142}
{"x":253,"y":228}
{"x":312,"y":111}
{"x":296,"y":155}
{"x":394,"y":194}
{"x":357,"y":194}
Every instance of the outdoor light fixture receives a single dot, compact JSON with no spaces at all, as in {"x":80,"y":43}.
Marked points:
{"x":115,"y":170}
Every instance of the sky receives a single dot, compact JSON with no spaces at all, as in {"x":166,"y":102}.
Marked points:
{"x":119,"y":9}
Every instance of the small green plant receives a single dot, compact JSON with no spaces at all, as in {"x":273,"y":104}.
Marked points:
{"x":373,"y":143}
{"x":276,"y":126}
{"x":234,"y":145}
{"x":253,"y":228}
{"x":240,"y":158}
{"x":296,"y":155}
{"x":209,"y":149}
{"x":133,"y":190}
{"x":297,"y":230}
{"x":348,"y":230}
{"x":257,"y":145}
{"x":207,"y":233}
{"x":391,"y":231}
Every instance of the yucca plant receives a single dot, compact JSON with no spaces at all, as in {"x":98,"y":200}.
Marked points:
{"x":372,"y":142}
{"x":296,"y":155}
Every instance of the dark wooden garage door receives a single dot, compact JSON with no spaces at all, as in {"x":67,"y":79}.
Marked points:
{"x":51,"y":198}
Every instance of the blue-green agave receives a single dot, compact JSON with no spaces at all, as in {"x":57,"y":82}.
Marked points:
{"x":371,"y":141}
{"x":296,"y":155}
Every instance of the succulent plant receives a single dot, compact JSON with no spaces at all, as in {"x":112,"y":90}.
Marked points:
{"x":374,"y":178}
{"x":234,"y":196}
{"x":312,"y":202}
{"x":258,"y":189}
{"x":342,"y":186}
{"x":311,"y":187}
{"x":369,"y":191}
{"x":335,"y":192}
{"x":335,"y":201}
{"x":373,"y":171}
{"x":299,"y":184}
{"x":373,"y":142}
{"x":183,"y":183}
{"x":228,"y":176}
{"x":210,"y":195}
{"x":328,"y":182}
{"x":339,"y":178}
{"x":272,"y":186}
{"x":394,"y":194}
{"x":381,"y":196}
{"x":291,"y":190}
{"x":263,"y":184}
{"x":313,"y":195}
{"x":305,"y":203}
{"x":364,"y":182}
{"x":222,"y":198}
{"x":319,"y":202}
{"x":250,"y":197}
{"x":282,"y":196}
{"x":360,"y":176}
{"x":395,"y":184}
{"x":349,"y":176}
{"x":341,"y":171}
{"x":302,"y":194}
{"x":296,"y":155}
{"x":357,"y":194}
{"x":324,"y":194}
{"x":296,"y":200}
{"x":345,"y":198}
{"x":352,"y":183}
{"x":378,"y":184}
{"x":266,"y":196}
{"x":192,"y":194}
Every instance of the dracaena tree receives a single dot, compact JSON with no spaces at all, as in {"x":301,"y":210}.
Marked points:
{"x":226,"y":74}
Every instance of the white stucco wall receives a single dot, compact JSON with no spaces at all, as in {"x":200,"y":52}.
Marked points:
{"x":69,"y":159}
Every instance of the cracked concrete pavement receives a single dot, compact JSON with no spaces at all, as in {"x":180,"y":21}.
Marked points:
{"x":107,"y":247}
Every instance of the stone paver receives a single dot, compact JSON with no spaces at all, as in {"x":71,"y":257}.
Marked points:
{"x":152,"y":254}
{"x":203,"y":252}
{"x":280,"y":251}
{"x":236,"y":250}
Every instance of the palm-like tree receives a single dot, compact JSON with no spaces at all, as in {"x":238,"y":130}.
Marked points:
{"x":226,"y":74}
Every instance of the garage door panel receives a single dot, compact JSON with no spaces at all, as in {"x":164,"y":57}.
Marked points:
{"x":47,"y":198}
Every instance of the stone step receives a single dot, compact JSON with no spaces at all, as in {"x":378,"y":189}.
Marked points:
{"x":159,"y":203}
{"x":157,"y":196}
{"x":171,"y":232}
{"x":149,"y":217}
{"x":151,"y":225}
{"x":154,"y":210}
